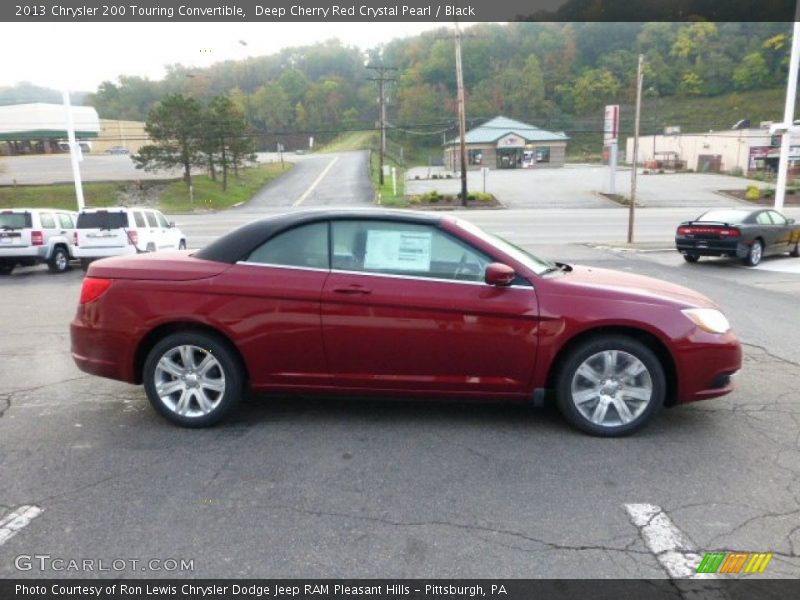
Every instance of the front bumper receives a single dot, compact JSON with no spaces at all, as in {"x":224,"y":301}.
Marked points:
{"x":707,"y":364}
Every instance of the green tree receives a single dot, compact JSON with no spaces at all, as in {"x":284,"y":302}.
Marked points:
{"x":595,"y":88}
{"x":753,"y":73}
{"x":176,"y":126}
{"x":271,"y":107}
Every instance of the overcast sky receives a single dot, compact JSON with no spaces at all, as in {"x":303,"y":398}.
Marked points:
{"x":79,"y":56}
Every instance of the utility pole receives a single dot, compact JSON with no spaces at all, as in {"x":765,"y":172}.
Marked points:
{"x":75,"y":153}
{"x":382,"y":79}
{"x":635,"y":158}
{"x":462,"y":120}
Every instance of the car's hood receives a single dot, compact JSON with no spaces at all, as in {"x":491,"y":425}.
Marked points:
{"x":170,"y":265}
{"x":620,"y":285}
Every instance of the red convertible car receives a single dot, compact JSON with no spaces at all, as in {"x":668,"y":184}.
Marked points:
{"x":370,"y":302}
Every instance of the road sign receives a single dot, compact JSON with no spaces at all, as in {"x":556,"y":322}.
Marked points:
{"x":611,"y":125}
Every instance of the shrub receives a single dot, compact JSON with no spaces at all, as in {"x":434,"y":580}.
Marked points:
{"x":753,"y":192}
{"x":736,"y":171}
{"x":768,"y":193}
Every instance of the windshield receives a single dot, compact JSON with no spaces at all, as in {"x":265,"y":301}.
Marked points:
{"x":12,"y":220}
{"x":534,"y":263}
{"x":102,"y":220}
{"x":724,"y":216}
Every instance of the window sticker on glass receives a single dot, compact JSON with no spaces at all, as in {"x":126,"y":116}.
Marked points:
{"x":398,"y":250}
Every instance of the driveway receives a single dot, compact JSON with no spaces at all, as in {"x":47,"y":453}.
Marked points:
{"x":579,"y":186}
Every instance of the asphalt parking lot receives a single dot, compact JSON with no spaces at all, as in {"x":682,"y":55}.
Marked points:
{"x":301,"y":487}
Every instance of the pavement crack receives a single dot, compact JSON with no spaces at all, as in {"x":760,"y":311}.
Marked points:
{"x":475,"y":529}
{"x":5,"y":403}
{"x":771,"y":355}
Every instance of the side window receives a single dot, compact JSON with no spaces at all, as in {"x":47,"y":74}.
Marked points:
{"x":777,"y":218}
{"x":763,"y":219}
{"x":48,"y":222}
{"x":162,"y":220}
{"x":151,"y":219}
{"x":139,"y":219}
{"x":304,"y":246}
{"x":65,"y":221}
{"x":404,"y":249}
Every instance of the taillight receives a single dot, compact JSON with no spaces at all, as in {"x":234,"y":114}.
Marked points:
{"x":730,"y":232}
{"x":684,"y":230}
{"x":75,"y":238}
{"x":37,"y":238}
{"x":133,"y":237}
{"x":93,"y":288}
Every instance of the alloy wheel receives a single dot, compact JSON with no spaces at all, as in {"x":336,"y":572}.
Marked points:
{"x":189,"y":381}
{"x":611,"y":388}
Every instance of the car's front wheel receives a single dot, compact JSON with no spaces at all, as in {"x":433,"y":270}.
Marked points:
{"x":755,"y":254}
{"x":193,"y":379}
{"x":611,"y":386}
{"x":795,"y":252}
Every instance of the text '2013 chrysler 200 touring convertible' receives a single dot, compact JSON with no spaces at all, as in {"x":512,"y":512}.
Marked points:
{"x":371,"y":302}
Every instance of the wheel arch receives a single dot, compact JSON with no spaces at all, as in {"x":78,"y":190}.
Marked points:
{"x":647,"y":338}
{"x":159,"y":333}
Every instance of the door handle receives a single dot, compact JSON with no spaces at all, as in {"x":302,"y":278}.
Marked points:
{"x":352,"y":289}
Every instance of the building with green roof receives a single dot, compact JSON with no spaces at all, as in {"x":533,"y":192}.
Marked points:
{"x":504,"y":143}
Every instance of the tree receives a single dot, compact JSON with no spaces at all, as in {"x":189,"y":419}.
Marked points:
{"x":224,"y":134}
{"x":175,"y":125}
{"x":752,"y":73}
{"x":594,"y":88}
{"x":271,"y":108}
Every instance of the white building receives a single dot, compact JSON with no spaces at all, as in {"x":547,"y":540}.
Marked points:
{"x":750,"y":150}
{"x":38,"y":127}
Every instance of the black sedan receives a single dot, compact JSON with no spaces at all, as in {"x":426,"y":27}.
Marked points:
{"x":738,"y":233}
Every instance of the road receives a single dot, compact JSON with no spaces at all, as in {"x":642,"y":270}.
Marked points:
{"x":302,"y":487}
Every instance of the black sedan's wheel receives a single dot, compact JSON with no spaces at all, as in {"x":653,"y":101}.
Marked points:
{"x":193,"y":379}
{"x":6,"y":268}
{"x":611,"y":386}
{"x":691,"y":258}
{"x":755,"y":254}
{"x":796,"y":250}
{"x":59,"y":261}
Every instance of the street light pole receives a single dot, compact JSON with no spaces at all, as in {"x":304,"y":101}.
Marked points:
{"x":462,"y":120}
{"x":635,"y":158}
{"x":74,"y":150}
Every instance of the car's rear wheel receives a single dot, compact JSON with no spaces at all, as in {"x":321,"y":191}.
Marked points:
{"x":182,"y":245}
{"x":193,"y":379}
{"x":5,"y":268}
{"x":59,"y":261}
{"x":691,"y":258}
{"x":796,"y":250}
{"x":611,"y":386}
{"x":755,"y":254}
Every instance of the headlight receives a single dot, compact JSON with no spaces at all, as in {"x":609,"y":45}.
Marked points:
{"x":708,"y":319}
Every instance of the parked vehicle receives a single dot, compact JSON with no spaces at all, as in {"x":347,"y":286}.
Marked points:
{"x":29,"y":236}
{"x":738,"y":233}
{"x":118,"y":150}
{"x":397,"y":303}
{"x":103,"y":232}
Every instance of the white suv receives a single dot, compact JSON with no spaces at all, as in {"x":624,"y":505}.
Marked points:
{"x":102,"y":232}
{"x":29,"y":236}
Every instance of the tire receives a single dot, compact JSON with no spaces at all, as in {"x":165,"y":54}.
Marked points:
{"x":59,"y":261}
{"x":691,"y":258}
{"x":598,"y":380}
{"x":85,"y":262}
{"x":182,"y":245}
{"x":150,"y":248}
{"x":755,"y":254}
{"x":5,"y":269}
{"x":795,"y":252}
{"x":185,"y":392}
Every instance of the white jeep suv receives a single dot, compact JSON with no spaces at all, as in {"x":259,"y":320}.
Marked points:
{"x":102,"y":232}
{"x":29,"y":236}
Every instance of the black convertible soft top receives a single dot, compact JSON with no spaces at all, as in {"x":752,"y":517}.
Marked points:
{"x":240,"y":243}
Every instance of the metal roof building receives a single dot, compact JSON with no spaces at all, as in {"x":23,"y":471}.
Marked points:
{"x":39,"y":126}
{"x":505,"y":143}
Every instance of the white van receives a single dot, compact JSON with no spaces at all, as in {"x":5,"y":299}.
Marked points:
{"x":102,"y":232}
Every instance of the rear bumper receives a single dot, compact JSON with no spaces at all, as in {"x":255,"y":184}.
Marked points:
{"x":101,"y":352}
{"x":707,"y":365}
{"x":34,"y":253}
{"x":89,"y":252}
{"x":732,"y":248}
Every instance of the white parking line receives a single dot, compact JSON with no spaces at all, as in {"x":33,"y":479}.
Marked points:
{"x":313,"y":186}
{"x":14,"y":522}
{"x":670,"y":546}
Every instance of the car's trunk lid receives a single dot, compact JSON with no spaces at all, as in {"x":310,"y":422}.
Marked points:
{"x":169,"y":265}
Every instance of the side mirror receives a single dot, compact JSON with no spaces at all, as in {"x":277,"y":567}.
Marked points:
{"x":790,"y":221}
{"x":499,"y":274}
{"x":172,"y":224}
